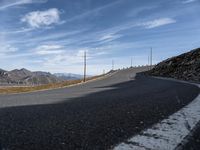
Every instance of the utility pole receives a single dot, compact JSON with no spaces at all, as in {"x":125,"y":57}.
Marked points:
{"x":151,"y":58}
{"x":131,"y":62}
{"x":112,"y":64}
{"x":148,"y":62}
{"x":85,"y":63}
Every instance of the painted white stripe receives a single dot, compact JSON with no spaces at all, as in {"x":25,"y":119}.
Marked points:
{"x":169,"y":133}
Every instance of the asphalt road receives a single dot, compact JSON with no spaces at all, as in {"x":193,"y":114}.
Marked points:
{"x":93,"y":116}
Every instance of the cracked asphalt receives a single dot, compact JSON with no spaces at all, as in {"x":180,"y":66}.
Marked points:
{"x":94,"y":116}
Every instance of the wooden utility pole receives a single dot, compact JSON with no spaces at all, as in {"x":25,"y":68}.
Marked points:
{"x":103,"y":71}
{"x":151,"y":58}
{"x":131,"y":62}
{"x":85,"y":63}
{"x":112,"y":64}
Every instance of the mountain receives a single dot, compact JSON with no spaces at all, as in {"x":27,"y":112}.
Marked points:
{"x":185,"y":67}
{"x":68,"y":76}
{"x":26,"y":77}
{"x":2,"y":72}
{"x":17,"y":75}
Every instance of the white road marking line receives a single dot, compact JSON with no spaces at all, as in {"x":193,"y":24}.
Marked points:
{"x":169,"y":133}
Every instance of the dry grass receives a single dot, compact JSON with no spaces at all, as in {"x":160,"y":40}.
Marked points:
{"x":11,"y":90}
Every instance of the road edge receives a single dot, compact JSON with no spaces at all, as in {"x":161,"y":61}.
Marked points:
{"x":164,"y":135}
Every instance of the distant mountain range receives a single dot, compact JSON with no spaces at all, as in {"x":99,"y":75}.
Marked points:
{"x":68,"y":76}
{"x":26,"y":77}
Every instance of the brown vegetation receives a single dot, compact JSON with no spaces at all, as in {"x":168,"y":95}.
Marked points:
{"x":12,"y":90}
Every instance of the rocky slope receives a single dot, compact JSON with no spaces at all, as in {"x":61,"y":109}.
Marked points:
{"x":184,"y":67}
{"x":26,"y":77}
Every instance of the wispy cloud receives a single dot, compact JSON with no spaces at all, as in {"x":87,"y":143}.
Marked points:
{"x":94,"y":11}
{"x":6,"y":48}
{"x":157,"y":23}
{"x":109,"y":37}
{"x":37,"y":19}
{"x":188,"y":1}
{"x":22,"y":30}
{"x":141,"y":9}
{"x":111,"y":34}
{"x":48,"y":49}
{"x":55,"y":36}
{"x":65,"y":57}
{"x":12,"y":3}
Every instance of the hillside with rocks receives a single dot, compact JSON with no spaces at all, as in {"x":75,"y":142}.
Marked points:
{"x":26,"y":77}
{"x":185,"y":67}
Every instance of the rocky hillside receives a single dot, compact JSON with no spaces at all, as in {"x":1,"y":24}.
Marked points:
{"x":26,"y":77}
{"x":184,"y":67}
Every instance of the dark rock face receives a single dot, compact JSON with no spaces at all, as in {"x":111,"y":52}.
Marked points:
{"x":26,"y":77}
{"x":184,"y":67}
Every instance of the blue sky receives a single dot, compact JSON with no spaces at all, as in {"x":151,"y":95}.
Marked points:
{"x":52,"y":35}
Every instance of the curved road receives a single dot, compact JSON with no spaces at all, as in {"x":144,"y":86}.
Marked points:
{"x":96,"y":115}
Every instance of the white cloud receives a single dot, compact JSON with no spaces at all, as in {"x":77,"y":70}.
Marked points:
{"x":12,"y":3}
{"x":69,"y":58}
{"x":188,"y":1}
{"x":37,"y":19}
{"x":109,"y":37}
{"x":157,"y":23}
{"x":65,"y":59}
{"x":6,"y":48}
{"x":48,"y":49}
